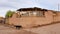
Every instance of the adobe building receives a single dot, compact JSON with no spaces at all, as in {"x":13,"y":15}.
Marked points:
{"x":2,"y":20}
{"x":30,"y":17}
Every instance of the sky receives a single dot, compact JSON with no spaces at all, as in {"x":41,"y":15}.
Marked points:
{"x":13,"y":5}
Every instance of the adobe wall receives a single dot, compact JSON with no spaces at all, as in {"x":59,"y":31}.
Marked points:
{"x":32,"y":21}
{"x":57,"y":17}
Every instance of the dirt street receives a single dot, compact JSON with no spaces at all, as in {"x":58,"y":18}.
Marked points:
{"x":49,"y":29}
{"x":8,"y":30}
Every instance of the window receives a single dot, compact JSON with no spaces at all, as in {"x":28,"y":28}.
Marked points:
{"x":32,"y":13}
{"x":37,"y":13}
{"x":40,"y":13}
{"x":24,"y":13}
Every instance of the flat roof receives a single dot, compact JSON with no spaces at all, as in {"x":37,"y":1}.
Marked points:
{"x":32,"y":9}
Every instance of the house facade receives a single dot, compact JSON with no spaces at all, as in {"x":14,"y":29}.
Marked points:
{"x":30,"y":17}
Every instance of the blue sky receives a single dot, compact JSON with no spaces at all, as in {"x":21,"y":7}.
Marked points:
{"x":13,"y":5}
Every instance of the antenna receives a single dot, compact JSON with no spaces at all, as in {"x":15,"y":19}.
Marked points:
{"x":58,"y":7}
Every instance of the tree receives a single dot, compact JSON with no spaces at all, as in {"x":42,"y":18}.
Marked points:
{"x":9,"y":14}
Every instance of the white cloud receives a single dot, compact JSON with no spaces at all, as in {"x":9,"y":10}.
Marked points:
{"x":16,"y":4}
{"x":49,"y":4}
{"x":3,"y":10}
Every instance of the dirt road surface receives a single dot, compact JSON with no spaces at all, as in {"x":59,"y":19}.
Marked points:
{"x":49,"y":29}
{"x":9,"y":30}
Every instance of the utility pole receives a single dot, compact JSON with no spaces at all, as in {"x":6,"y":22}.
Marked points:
{"x":58,"y":7}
